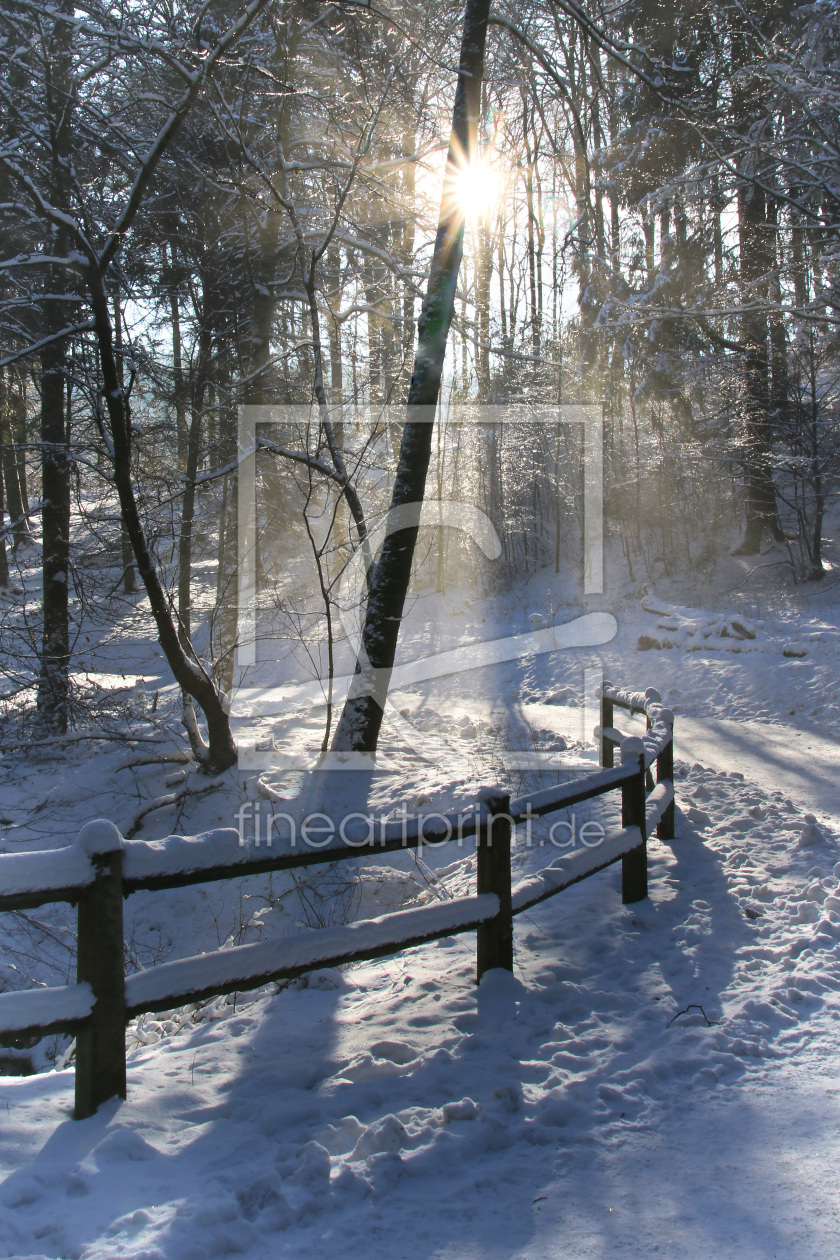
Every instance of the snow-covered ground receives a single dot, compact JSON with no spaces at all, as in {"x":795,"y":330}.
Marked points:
{"x":654,"y":1079}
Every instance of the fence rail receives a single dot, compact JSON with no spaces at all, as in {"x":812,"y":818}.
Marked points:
{"x":101,"y":869}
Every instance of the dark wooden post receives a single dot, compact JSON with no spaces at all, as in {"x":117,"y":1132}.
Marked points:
{"x":100,"y":1045}
{"x":495,"y":939}
{"x":665,"y":774}
{"x":607,"y":720}
{"x":634,"y":863}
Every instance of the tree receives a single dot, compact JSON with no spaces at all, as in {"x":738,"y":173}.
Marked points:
{"x":361,"y":719}
{"x":81,"y":239}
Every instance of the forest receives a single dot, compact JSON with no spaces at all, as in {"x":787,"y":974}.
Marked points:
{"x":237,"y":207}
{"x":419,"y":624}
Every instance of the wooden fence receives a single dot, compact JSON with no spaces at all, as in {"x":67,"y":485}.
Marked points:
{"x":102,"y":868}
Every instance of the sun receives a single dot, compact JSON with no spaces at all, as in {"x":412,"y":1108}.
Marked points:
{"x":476,"y":190}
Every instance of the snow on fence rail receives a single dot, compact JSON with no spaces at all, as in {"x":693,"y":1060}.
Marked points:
{"x":101,"y":868}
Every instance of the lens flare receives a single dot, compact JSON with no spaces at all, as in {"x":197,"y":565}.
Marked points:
{"x":476,"y":190}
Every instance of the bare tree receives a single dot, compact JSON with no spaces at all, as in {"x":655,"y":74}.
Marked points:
{"x":63,"y":208}
{"x":361,"y":719}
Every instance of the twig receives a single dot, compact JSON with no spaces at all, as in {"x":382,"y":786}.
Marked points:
{"x":73,"y":737}
{"x":433,"y":882}
{"x":155,"y":759}
{"x":170,"y":798}
{"x":694,"y":1006}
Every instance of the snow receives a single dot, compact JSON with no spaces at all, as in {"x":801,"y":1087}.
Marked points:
{"x":395,"y":1109}
{"x":224,"y":847}
{"x":248,"y":965}
{"x":565,"y":871}
{"x":183,"y":855}
{"x":588,"y":630}
{"x":657,"y":802}
{"x":45,"y":871}
{"x":553,"y":798}
{"x":99,"y":837}
{"x":43,"y":1008}
{"x":634,"y":701}
{"x":656,"y":739}
{"x":611,"y":733}
{"x":802,"y":764}
{"x":659,"y":1078}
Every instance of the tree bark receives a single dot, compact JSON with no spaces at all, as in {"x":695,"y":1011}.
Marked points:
{"x":193,"y":454}
{"x":53,"y":682}
{"x":361,"y":719}
{"x":755,"y":265}
{"x":755,"y":242}
{"x":179,"y":381}
{"x":4,"y":559}
{"x":13,"y":437}
{"x":190,"y":676}
{"x":129,"y":576}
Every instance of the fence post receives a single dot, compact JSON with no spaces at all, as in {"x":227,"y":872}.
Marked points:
{"x":665,"y":774}
{"x":100,"y":1045}
{"x":495,"y":939}
{"x":634,"y":863}
{"x":607,"y":719}
{"x":651,"y":696}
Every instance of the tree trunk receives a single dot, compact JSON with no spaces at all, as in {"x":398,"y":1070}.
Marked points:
{"x":193,"y":455}
{"x":483,"y":277}
{"x":13,"y":437}
{"x":756,"y":262}
{"x":53,"y":682}
{"x":4,"y":559}
{"x":361,"y":719}
{"x":816,"y":462}
{"x":179,"y":382}
{"x":755,"y":242}
{"x":18,"y":422}
{"x":129,"y":576}
{"x":409,"y":145}
{"x":534,"y":278}
{"x":333,"y":285}
{"x":191,"y":677}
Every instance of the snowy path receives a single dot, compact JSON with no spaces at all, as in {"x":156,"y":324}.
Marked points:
{"x":720,"y":1178}
{"x":806,"y":767}
{"x":583,"y":1107}
{"x":394,"y":1111}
